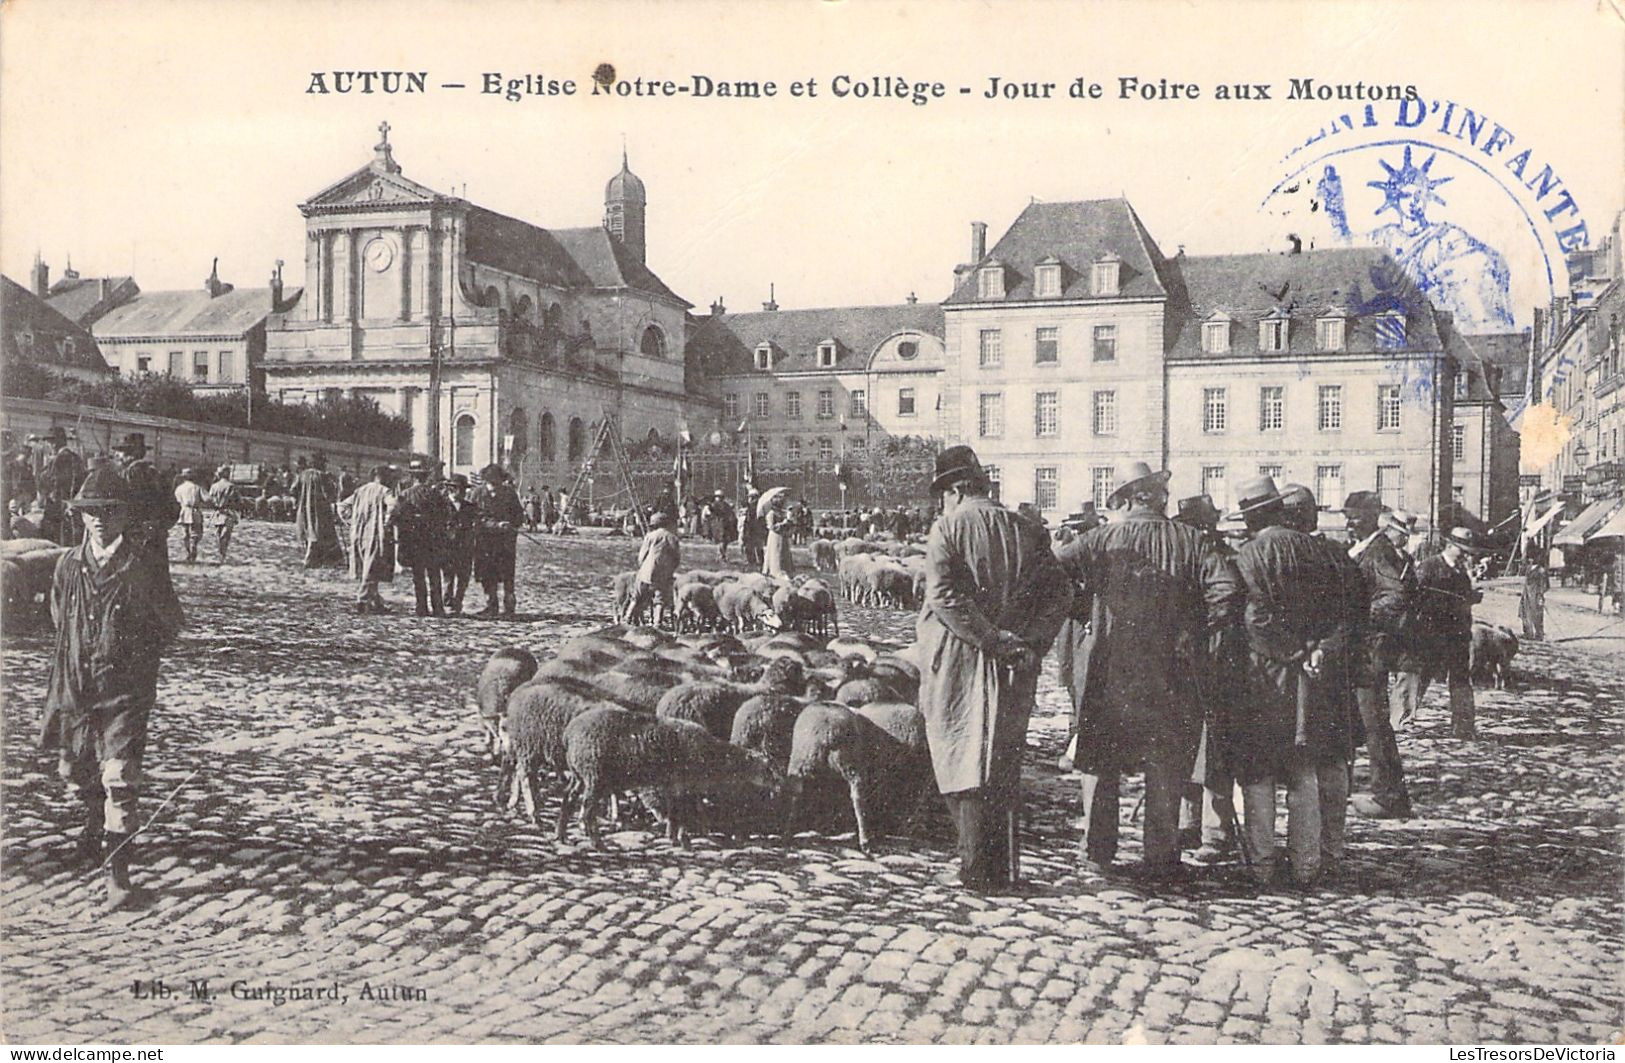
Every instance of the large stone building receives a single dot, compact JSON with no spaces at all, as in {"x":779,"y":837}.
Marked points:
{"x":1075,"y":347}
{"x":827,"y":384}
{"x":1484,"y":447}
{"x":82,"y":299}
{"x":496,"y":338}
{"x":35,"y":335}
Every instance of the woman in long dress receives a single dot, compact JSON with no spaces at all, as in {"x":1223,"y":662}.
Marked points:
{"x":776,"y":558}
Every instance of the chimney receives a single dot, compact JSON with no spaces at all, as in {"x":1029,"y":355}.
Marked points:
{"x":214,"y":285}
{"x":772,"y":303}
{"x":912,"y":298}
{"x":276,"y":287}
{"x":717,"y":309}
{"x":1297,"y":244}
{"x":106,"y":285}
{"x":42,"y":277}
{"x":978,"y":241}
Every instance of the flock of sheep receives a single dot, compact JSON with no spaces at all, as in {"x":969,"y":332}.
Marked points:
{"x":881,"y":571}
{"x":759,"y":733}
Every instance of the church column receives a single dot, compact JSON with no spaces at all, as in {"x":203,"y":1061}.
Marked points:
{"x":313,"y":275}
{"x":340,"y":276}
{"x":405,"y":267}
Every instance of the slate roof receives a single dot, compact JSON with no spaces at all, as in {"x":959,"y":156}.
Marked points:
{"x":610,"y":263}
{"x":1077,"y":234}
{"x":1303,"y":286}
{"x":1509,"y":352}
{"x":21,"y":311}
{"x":75,"y":297}
{"x":189,"y":313}
{"x":726,"y":344}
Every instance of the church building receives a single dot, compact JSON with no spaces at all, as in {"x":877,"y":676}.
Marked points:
{"x":497,"y":339}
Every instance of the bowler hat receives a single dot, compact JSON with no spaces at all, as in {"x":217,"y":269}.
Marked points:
{"x":494,"y":473}
{"x":134,"y":443}
{"x":1256,"y":494}
{"x":56,"y":434}
{"x":1467,"y":539}
{"x":1198,"y":510}
{"x":1362,"y":502}
{"x":103,"y":488}
{"x":417,"y":465}
{"x":1139,"y":475}
{"x":457,"y":480}
{"x":1297,"y":495}
{"x":954,"y":465}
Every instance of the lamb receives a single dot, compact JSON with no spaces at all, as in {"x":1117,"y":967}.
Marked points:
{"x":507,"y":669}
{"x":823,"y":554}
{"x":621,"y":590}
{"x":845,"y":648}
{"x":766,"y":723}
{"x":743,"y":608}
{"x":697,"y":606}
{"x":791,"y":609}
{"x":641,"y":691}
{"x":910,"y":775}
{"x":669,"y":763}
{"x":1491,"y":653}
{"x":833,"y":740}
{"x":533,"y":736}
{"x":713,"y":704}
{"x":819,"y":606}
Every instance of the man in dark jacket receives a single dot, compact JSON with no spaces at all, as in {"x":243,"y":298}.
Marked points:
{"x":115,"y":611}
{"x":1389,"y":585}
{"x":1294,"y":723}
{"x":420,"y":518}
{"x":462,"y":526}
{"x":752,"y":532}
{"x":1140,"y":661}
{"x":1532,"y":603}
{"x":57,"y":480}
{"x":498,"y":540}
{"x":719,"y":519}
{"x":1442,"y":644}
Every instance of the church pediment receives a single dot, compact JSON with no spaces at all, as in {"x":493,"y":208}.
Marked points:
{"x":368,"y":187}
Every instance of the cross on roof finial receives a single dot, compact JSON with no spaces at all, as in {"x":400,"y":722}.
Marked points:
{"x":383,"y":129}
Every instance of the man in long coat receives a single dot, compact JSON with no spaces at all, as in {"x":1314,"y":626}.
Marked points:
{"x":1141,"y":656}
{"x":719,"y":517}
{"x":421,"y":519}
{"x":462,"y":527}
{"x":1441,"y":647}
{"x":1532,"y":603}
{"x":58,"y":478}
{"x":498,"y":538}
{"x":313,"y":516}
{"x":1294,"y":723}
{"x":994,"y":599}
{"x":1389,"y":586}
{"x":114,"y":611}
{"x":371,"y":560}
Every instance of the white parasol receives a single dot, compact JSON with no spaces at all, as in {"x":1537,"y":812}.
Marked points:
{"x":766,"y":501}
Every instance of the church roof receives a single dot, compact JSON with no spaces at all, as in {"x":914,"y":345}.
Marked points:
{"x":519,"y":247}
{"x":191,"y":312}
{"x":608,"y":263}
{"x":726,"y":343}
{"x":624,"y":185}
{"x":1360,"y":281}
{"x":1076,"y":235}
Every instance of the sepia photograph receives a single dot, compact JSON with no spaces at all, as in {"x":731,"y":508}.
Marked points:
{"x":697,"y":522}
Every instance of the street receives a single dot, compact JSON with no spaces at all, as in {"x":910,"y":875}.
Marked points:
{"x":331,"y":826}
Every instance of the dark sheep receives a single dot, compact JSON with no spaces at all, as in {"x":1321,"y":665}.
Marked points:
{"x":819,"y":607}
{"x":823,"y":555}
{"x":712,"y":705}
{"x":862,"y":691}
{"x":642,"y":691}
{"x":832,"y":740}
{"x":697,"y":608}
{"x":670,"y":764}
{"x":1491,"y":652}
{"x":508,"y":668}
{"x":766,"y":723}
{"x":533,"y":736}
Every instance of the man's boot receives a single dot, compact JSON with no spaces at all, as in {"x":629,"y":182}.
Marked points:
{"x":121,"y":894}
{"x":490,"y":600}
{"x":508,"y":602}
{"x":88,"y":849}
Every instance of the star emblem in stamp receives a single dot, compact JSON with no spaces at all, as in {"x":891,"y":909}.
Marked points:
{"x":1477,"y":218}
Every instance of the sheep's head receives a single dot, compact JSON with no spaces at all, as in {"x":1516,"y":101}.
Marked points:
{"x":784,"y":676}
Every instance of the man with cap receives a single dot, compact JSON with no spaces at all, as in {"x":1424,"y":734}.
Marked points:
{"x":994,"y":599}
{"x":367,"y":513}
{"x":720,"y":520}
{"x":1156,"y":594}
{"x":658,"y":558}
{"x":57,"y":479}
{"x":223,"y":501}
{"x":1293,"y":723}
{"x":189,"y":497}
{"x":497,"y":543}
{"x":421,"y":519}
{"x":114,"y":613}
{"x":1441,"y":645}
{"x":752,"y":531}
{"x":462,"y":528}
{"x":1389,"y":586}
{"x":156,"y":509}
{"x":313,"y":515}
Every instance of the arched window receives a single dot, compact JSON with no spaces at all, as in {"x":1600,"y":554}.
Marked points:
{"x":554,"y":317}
{"x":462,"y":451}
{"x":577,"y":441}
{"x":653,"y":342}
{"x":492,"y":296}
{"x":519,"y":426}
{"x":544,"y":437}
{"x":523,"y":308}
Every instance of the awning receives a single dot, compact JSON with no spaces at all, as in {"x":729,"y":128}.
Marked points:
{"x":1614,"y":528}
{"x":1538,"y":525}
{"x":1575,"y":531}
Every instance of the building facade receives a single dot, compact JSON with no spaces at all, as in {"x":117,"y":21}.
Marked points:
{"x":496,"y":339}
{"x":1485,"y":450}
{"x":35,"y":335}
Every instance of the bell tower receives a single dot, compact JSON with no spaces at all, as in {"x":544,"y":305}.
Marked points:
{"x":625,"y":208}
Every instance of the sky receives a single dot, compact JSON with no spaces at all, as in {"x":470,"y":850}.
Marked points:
{"x":151,"y":136}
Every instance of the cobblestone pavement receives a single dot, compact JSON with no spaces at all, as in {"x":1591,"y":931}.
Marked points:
{"x":339,"y":834}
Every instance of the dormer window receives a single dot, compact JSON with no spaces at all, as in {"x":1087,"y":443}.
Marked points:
{"x":990,"y":282}
{"x":1390,"y":329}
{"x":764,"y":356}
{"x":826,"y":354}
{"x":1331,"y":331}
{"x":1047,"y":279}
{"x":1106,"y":276}
{"x":1272,"y":332}
{"x":1216,"y":335}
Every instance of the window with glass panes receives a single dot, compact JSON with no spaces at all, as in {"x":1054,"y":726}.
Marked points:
{"x":857,"y":446}
{"x":1047,"y":345}
{"x":826,"y":449}
{"x":792,"y":405}
{"x":1045,"y":479}
{"x":1105,"y":413}
{"x":223,"y":368}
{"x":1102,"y":481}
{"x":990,"y":348}
{"x":1388,"y":408}
{"x":826,"y":404}
{"x":1391,"y":485}
{"x":1046,"y":413}
{"x":990,"y":414}
{"x":200,"y":365}
{"x":760,"y":448}
{"x":1047,"y":282}
{"x":1331,"y":407}
{"x":1329,"y":484}
{"x":1464,"y":379}
{"x":1458,"y":441}
{"x":1271,"y":408}
{"x":860,"y":404}
{"x":1272,"y":471}
{"x":1105,"y":345}
{"x":1213,"y":485}
{"x":905,"y":402}
{"x":761,"y":409}
{"x":1215,"y":414}
{"x":730,"y":405}
{"x":792,"y":448}
{"x":1329,"y":333}
{"x":1272,"y":334}
{"x":1216,"y":337}
{"x":993,"y":485}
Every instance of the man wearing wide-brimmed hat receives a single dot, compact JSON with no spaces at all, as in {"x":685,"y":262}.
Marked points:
{"x":59,"y":476}
{"x":498,"y":542}
{"x":1389,"y":585}
{"x":462,"y":527}
{"x":1441,"y":646}
{"x":420,"y":518}
{"x":994,"y":598}
{"x":1156,"y":590}
{"x":114,"y":612}
{"x":1295,"y":723}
